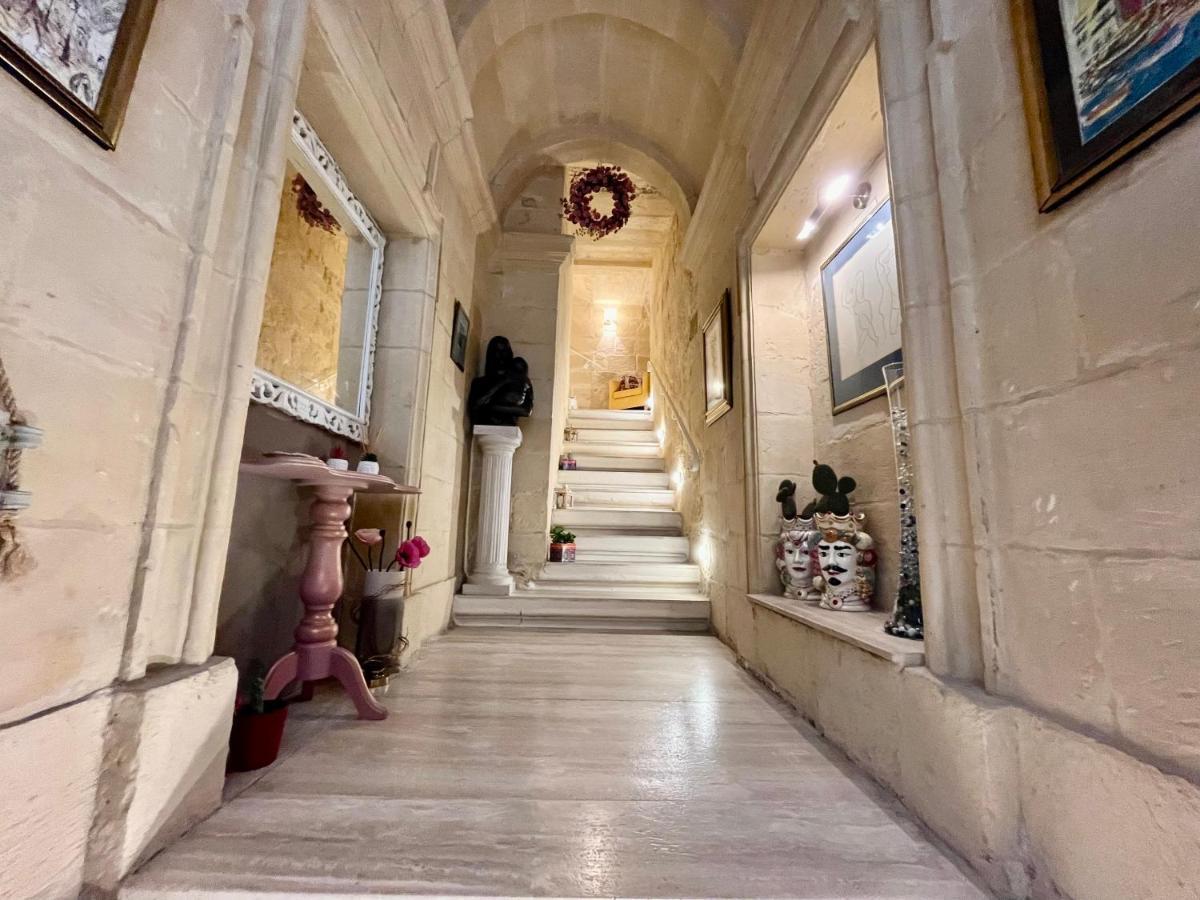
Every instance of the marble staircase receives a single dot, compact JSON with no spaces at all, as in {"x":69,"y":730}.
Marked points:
{"x":632,"y":570}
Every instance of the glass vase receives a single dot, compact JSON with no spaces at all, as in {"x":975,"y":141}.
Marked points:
{"x":906,"y":620}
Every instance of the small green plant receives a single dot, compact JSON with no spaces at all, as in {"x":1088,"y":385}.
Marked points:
{"x":370,"y":457}
{"x":560,"y":535}
{"x":251,"y":700}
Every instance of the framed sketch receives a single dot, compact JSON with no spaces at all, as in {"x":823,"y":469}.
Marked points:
{"x":861,"y":291}
{"x":316,"y":347}
{"x":1102,"y":80}
{"x":718,"y":361}
{"x":81,"y":56}
{"x":458,"y":337}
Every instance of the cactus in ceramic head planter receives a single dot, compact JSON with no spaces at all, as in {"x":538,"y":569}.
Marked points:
{"x":845,"y":552}
{"x":795,"y":550}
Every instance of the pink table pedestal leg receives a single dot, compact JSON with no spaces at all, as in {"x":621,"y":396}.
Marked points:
{"x":316,"y":655}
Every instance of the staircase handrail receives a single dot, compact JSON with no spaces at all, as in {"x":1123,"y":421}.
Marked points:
{"x":659,"y":382}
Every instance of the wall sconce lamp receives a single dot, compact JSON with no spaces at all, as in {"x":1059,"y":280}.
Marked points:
{"x":609,"y":328}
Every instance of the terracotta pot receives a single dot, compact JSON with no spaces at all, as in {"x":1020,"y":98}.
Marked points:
{"x":562,"y":553}
{"x":255,"y":738}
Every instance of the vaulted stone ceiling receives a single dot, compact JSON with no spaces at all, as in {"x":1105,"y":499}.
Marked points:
{"x":639,"y":83}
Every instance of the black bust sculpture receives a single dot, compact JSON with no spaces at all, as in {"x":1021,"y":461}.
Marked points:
{"x":502,"y":394}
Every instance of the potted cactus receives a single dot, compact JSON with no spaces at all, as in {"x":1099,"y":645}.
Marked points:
{"x":562,"y":545}
{"x":257,"y":726}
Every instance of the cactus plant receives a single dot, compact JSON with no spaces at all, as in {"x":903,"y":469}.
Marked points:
{"x":786,"y":497}
{"x":835,"y":492}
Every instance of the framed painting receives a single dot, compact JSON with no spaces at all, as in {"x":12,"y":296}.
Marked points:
{"x":718,"y":361}
{"x":458,"y":337}
{"x":80,"y":56}
{"x":1101,"y":81}
{"x":861,"y":293}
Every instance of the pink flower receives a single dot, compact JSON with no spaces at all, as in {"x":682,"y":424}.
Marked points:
{"x":408,"y":555}
{"x":369,"y":536}
{"x":422,"y":546}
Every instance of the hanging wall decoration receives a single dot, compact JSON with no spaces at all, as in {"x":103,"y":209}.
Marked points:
{"x":80,"y":56}
{"x":578,"y":208}
{"x":1101,"y":81}
{"x":718,"y":360}
{"x":16,"y":436}
{"x":861,"y":291}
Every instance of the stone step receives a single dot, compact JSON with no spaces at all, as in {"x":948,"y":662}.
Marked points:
{"x":593,"y":462}
{"x":619,"y":449}
{"x":590,"y":478}
{"x":631,"y":575}
{"x":527,"y":609}
{"x":620,"y":521}
{"x":621,"y":548}
{"x":634,"y":419}
{"x":614,"y":436}
{"x":623,"y":498}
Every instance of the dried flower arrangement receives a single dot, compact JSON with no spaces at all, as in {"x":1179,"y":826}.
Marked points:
{"x":577,"y":207}
{"x":310,"y":208}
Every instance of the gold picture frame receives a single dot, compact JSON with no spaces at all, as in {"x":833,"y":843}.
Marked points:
{"x":717,"y":348}
{"x":1075,"y":141}
{"x":102,"y":120}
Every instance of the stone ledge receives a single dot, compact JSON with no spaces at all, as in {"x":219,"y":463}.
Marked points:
{"x":863,"y":630}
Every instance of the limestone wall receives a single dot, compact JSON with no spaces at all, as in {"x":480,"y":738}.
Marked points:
{"x":121,"y":316}
{"x":1072,"y":770}
{"x":599,"y":356}
{"x":1075,"y":334}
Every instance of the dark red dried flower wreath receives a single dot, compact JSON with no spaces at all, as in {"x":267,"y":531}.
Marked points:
{"x":310,"y":208}
{"x":577,"y":207}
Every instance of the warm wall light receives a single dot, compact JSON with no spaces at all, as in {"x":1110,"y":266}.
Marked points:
{"x":609,"y":328}
{"x":807,"y":229}
{"x":835,"y":190}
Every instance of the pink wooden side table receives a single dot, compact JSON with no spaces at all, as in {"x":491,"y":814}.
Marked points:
{"x":316,"y":655}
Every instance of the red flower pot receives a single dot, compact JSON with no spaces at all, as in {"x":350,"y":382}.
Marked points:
{"x":562,"y":553}
{"x":255,"y":738}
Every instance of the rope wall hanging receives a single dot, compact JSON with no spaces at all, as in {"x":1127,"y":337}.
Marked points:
{"x":16,"y":436}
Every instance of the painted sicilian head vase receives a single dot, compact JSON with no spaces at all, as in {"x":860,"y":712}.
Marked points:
{"x":796,"y":559}
{"x":846,"y":560}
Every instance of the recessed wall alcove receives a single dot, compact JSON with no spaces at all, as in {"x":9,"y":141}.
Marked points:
{"x":268,"y":533}
{"x":824,"y":205}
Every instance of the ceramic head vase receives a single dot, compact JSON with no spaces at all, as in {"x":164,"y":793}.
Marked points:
{"x":846,"y":560}
{"x":795,"y":558}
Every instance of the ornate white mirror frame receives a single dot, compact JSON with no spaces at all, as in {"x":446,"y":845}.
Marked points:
{"x":309,"y":155}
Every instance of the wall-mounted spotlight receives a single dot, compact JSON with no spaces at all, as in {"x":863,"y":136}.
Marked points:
{"x":834,"y":191}
{"x":862,"y":195}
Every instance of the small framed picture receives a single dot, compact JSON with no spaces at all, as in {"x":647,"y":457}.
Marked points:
{"x":1101,"y":81}
{"x":80,"y":56}
{"x":718,"y":361}
{"x":458,"y":337}
{"x":861,"y":290}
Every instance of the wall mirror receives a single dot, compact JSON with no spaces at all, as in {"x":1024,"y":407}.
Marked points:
{"x":316,"y":349}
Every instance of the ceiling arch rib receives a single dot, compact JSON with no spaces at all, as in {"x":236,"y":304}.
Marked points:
{"x":675,"y":18}
{"x":683,"y":22}
{"x":611,"y":78}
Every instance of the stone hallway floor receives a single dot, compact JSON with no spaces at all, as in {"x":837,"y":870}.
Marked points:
{"x":569,"y":765}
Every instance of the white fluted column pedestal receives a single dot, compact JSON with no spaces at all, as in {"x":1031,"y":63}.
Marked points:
{"x":489,"y":573}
